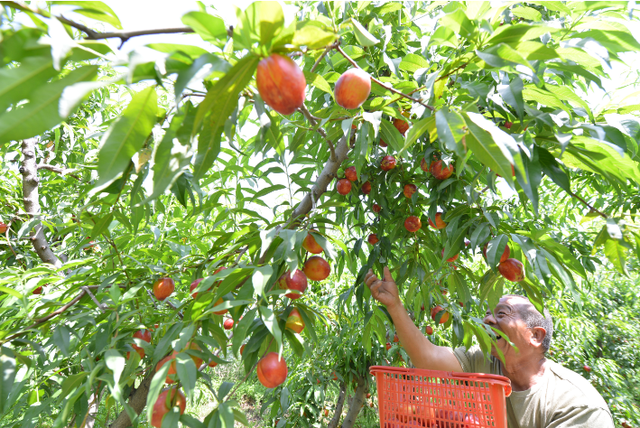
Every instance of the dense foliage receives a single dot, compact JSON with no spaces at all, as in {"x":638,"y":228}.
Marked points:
{"x":118,"y":171}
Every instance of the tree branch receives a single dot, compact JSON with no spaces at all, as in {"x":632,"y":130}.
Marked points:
{"x":137,"y":401}
{"x":336,"y":416}
{"x":326,"y":51}
{"x":603,"y":215}
{"x":384,"y":85}
{"x":61,"y":171}
{"x":29,"y":171}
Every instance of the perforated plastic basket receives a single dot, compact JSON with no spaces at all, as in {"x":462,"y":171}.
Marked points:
{"x":430,"y":398}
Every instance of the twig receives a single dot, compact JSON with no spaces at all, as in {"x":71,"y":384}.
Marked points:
{"x":113,"y":244}
{"x":389,"y":87}
{"x":46,"y":318}
{"x":57,"y":170}
{"x":603,"y":215}
{"x":326,"y":51}
{"x":100,"y":306}
{"x":171,"y":305}
{"x":244,"y":250}
{"x":321,"y":131}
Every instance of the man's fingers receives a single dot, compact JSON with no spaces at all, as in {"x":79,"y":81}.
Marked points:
{"x":387,"y":275}
{"x":375,"y":287}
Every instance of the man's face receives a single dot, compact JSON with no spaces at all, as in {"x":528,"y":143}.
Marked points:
{"x":506,"y":318}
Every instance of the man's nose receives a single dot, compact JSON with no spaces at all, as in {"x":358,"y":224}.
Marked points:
{"x":489,"y":319}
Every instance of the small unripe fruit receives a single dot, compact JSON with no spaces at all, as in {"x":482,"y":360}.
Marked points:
{"x":429,"y":330}
{"x":3,"y":227}
{"x":388,"y":346}
{"x":317,"y":268}
{"x":586,"y":368}
{"x":440,"y":170}
{"x":343,"y":186}
{"x":440,"y":224}
{"x":228,"y":324}
{"x":508,"y":125}
{"x":163,"y":288}
{"x":376,"y":208}
{"x":272,"y":370}
{"x":388,"y":163}
{"x":373,"y":239}
{"x":512,"y":269}
{"x":401,"y":125}
{"x":409,"y":190}
{"x":412,"y":224}
{"x":352,"y":88}
{"x":351,"y":173}
{"x":366,"y":187}
{"x":281,"y":83}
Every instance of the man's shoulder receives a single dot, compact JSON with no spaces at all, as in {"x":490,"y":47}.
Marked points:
{"x":473,"y":360}
{"x":573,"y":389}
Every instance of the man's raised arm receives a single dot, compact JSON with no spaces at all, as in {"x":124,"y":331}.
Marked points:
{"x":423,"y":353}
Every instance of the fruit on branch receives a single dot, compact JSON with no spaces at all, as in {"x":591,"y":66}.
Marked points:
{"x":194,"y":285}
{"x":352,"y":88}
{"x":373,"y":239}
{"x":311,"y":245}
{"x":409,"y":190}
{"x":440,"y":170}
{"x":424,"y":166}
{"x":508,"y":125}
{"x":228,"y":324}
{"x":213,"y":363}
{"x":281,"y":83}
{"x":142,"y":335}
{"x":223,"y":311}
{"x":388,"y":163}
{"x":335,"y":376}
{"x":272,"y":370}
{"x":512,"y":269}
{"x":412,"y":223}
{"x":3,"y":227}
{"x":39,"y":289}
{"x":586,"y":368}
{"x":368,"y":395}
{"x":434,"y":312}
{"x":366,"y":187}
{"x":167,"y":400}
{"x":429,"y":330}
{"x":317,"y":268}
{"x":503,"y":257}
{"x":395,"y":338}
{"x":163,"y":288}
{"x":401,"y":125}
{"x":452,"y":259}
{"x":440,"y":224}
{"x":297,"y":281}
{"x":294,"y":321}
{"x":351,"y":173}
{"x":197,"y":360}
{"x":388,"y":346}
{"x":382,"y":143}
{"x":343,"y":186}
{"x":171,"y":359}
{"x":326,"y":413}
{"x":376,"y":208}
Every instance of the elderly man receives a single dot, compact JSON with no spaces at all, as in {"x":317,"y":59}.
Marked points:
{"x":545,"y":394}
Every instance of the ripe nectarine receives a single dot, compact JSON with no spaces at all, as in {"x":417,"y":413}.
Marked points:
{"x":272,"y":370}
{"x":281,"y":83}
{"x":343,"y":186}
{"x":3,"y":227}
{"x":294,"y":321}
{"x":352,"y":88}
{"x":412,"y":224}
{"x":311,"y":245}
{"x":452,"y":259}
{"x":512,"y":269}
{"x":223,"y":311}
{"x":351,"y":174}
{"x":171,"y":359}
{"x":388,"y":163}
{"x":373,"y":239}
{"x":163,"y":288}
{"x":228,"y":324}
{"x":401,"y":125}
{"x":317,"y":268}
{"x":429,"y":330}
{"x":434,"y":312}
{"x":409,"y":190}
{"x":366,"y":188}
{"x":165,"y":402}
{"x":297,"y":281}
{"x":440,"y":224}
{"x":376,"y":208}
{"x":440,"y":170}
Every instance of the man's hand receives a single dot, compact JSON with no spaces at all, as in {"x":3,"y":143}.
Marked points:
{"x":384,"y":291}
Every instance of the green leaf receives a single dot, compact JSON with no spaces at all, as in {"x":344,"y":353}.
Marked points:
{"x":115,"y":362}
{"x":497,"y":157}
{"x":418,"y":128}
{"x":391,"y":135}
{"x":41,"y":113}
{"x":18,"y":83}
{"x":513,"y":34}
{"x":412,"y":63}
{"x":317,"y":81}
{"x":184,"y":76}
{"x":102,"y":223}
{"x":61,"y":338}
{"x":210,"y":28}
{"x":458,"y":22}
{"x":312,"y":36}
{"x":544,"y":97}
{"x":363,"y":37}
{"x":529,"y":178}
{"x":527,"y":12}
{"x":186,"y":370}
{"x":451,"y":129}
{"x":512,"y":95}
{"x":502,"y":56}
{"x":71,"y":383}
{"x":7,"y":378}
{"x":551,"y":167}
{"x":126,"y":136}
{"x":216,"y":108}
{"x":100,"y":10}
{"x":271,"y":322}
{"x":616,"y":254}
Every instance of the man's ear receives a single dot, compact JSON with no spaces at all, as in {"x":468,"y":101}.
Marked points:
{"x":537,"y":336}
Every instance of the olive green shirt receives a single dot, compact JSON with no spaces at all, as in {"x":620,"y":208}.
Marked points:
{"x":562,"y":398}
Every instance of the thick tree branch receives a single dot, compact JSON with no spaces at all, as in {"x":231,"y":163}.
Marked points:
{"x":336,"y":416}
{"x":384,"y":85}
{"x":356,"y":404}
{"x":29,"y":170}
{"x":137,"y":401}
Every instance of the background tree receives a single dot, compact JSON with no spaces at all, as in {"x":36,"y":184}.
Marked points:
{"x":128,"y":179}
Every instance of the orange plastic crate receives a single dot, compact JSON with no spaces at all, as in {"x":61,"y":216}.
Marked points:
{"x":437,"y":399}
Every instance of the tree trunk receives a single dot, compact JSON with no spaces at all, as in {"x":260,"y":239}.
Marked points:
{"x":336,"y":416}
{"x":29,"y":171}
{"x":137,"y":402}
{"x":356,"y":404}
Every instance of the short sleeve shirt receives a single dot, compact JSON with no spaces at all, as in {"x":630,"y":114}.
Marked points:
{"x":562,"y":398}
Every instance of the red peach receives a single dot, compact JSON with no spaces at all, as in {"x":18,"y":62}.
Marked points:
{"x":272,"y":370}
{"x":440,"y":224}
{"x":351,"y":173}
{"x":412,"y":224}
{"x":297,"y":281}
{"x":373,"y":239}
{"x":352,"y":88}
{"x":388,"y":163}
{"x":317,"y":268}
{"x":343,"y":186}
{"x":366,"y":188}
{"x":281,"y":83}
{"x":409,"y":190}
{"x":163,"y":288}
{"x":512,"y":269}
{"x":311,"y":245}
